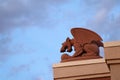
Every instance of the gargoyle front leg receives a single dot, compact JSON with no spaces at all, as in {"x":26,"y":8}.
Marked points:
{"x":78,"y":50}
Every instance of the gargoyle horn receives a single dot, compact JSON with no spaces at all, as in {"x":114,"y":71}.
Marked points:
{"x":83,"y":36}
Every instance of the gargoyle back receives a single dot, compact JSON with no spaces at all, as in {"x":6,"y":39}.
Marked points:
{"x":83,"y":36}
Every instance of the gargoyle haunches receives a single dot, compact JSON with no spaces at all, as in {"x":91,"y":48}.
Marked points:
{"x":86,"y":45}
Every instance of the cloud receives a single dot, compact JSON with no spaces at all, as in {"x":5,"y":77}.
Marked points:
{"x":19,"y":14}
{"x":38,"y":78}
{"x":104,"y":21}
{"x":26,"y":13}
{"x":20,"y":68}
{"x":4,"y":47}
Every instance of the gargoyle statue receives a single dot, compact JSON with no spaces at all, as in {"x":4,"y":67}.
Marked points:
{"x":86,"y":45}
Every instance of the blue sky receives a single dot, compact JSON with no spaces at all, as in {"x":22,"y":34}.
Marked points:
{"x":31,"y":32}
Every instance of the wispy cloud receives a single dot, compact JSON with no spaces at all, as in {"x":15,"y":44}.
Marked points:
{"x":104,"y":20}
{"x":20,"y":68}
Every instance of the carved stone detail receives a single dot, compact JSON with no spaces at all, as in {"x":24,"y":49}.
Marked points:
{"x":86,"y":45}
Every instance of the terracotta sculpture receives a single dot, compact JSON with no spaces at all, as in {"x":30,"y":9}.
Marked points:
{"x":86,"y":45}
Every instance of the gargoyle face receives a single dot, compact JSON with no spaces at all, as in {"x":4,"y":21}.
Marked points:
{"x":66,"y":46}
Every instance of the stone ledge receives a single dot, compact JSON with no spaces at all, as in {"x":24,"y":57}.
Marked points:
{"x":82,"y":69}
{"x":112,"y":50}
{"x":80,"y":62}
{"x":112,"y":44}
{"x":112,"y":56}
{"x":113,"y":61}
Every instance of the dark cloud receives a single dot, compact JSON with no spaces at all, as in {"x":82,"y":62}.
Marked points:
{"x":9,"y":13}
{"x":23,"y":13}
{"x":4,"y":47}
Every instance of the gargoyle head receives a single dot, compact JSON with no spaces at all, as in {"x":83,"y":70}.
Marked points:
{"x":67,"y":45}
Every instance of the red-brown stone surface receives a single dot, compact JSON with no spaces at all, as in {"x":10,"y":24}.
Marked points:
{"x":86,"y":45}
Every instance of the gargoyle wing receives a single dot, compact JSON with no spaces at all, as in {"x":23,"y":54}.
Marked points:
{"x":82,"y":35}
